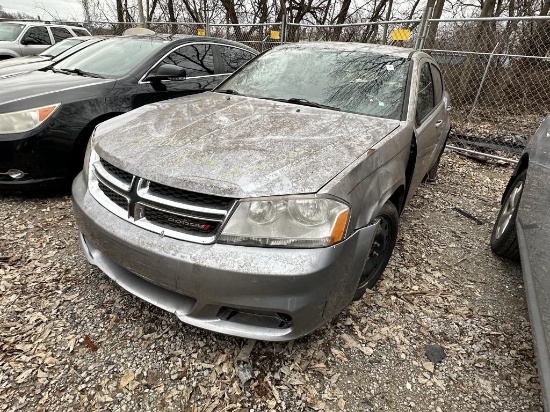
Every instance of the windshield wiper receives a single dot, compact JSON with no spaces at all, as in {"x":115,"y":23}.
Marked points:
{"x":78,"y":72}
{"x":229,"y":91}
{"x":303,"y":102}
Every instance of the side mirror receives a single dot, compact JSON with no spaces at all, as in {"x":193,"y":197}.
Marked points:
{"x":168,"y":72}
{"x":25,"y":41}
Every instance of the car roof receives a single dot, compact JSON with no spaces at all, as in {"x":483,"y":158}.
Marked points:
{"x":42,"y":23}
{"x":396,"y":51}
{"x":185,"y":38}
{"x":84,"y":38}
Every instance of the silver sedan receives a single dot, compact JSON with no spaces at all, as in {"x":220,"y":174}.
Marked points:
{"x":522,"y":229}
{"x":264,"y":208}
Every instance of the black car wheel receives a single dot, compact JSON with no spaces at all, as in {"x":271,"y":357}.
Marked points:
{"x":381,"y":249}
{"x":504,"y":241}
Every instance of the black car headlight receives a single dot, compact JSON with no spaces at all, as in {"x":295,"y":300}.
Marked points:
{"x":287,"y":221}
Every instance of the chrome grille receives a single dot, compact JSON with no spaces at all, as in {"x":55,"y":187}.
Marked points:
{"x":171,"y":212}
{"x":116,"y":172}
{"x":116,"y":198}
{"x":186,"y":196}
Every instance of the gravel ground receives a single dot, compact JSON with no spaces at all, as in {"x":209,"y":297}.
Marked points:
{"x":71,"y":339}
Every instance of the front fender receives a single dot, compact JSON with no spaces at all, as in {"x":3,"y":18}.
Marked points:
{"x":375,"y":190}
{"x":374,"y":177}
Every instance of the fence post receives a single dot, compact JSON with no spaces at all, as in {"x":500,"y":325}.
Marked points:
{"x":207,"y":26}
{"x":284,"y":28}
{"x":423,"y":30}
{"x":141,"y":16}
{"x":482,"y":81}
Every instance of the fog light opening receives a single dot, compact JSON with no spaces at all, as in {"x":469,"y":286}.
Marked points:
{"x":15,"y":174}
{"x":256,"y":318}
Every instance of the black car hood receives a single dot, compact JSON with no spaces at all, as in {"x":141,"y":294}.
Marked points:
{"x":34,"y":89}
{"x":238,"y":146}
{"x":16,"y":61}
{"x":19,"y":69}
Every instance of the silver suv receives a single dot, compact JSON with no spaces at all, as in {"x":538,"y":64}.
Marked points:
{"x":27,"y":38}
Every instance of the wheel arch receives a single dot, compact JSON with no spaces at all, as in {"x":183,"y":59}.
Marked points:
{"x":81,"y":141}
{"x":523,"y":164}
{"x":87,"y":130}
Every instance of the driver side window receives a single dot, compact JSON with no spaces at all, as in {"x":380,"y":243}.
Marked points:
{"x":196,"y":59}
{"x":425,"y":101}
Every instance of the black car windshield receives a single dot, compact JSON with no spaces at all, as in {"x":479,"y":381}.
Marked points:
{"x":10,"y":31}
{"x":111,"y":58}
{"x":351,"y":81}
{"x":60,"y":47}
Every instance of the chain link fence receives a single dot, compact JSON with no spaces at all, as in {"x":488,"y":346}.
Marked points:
{"x":377,"y":32}
{"x":118,"y":28}
{"x":258,"y":36}
{"x":497,"y":73}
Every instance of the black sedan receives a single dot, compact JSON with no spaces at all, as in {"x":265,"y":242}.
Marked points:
{"x":51,"y":55}
{"x":47,"y":116}
{"x":522,"y":230}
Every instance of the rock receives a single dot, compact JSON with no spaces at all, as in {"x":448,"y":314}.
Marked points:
{"x":435,"y":353}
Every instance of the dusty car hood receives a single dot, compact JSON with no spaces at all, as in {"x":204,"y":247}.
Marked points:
{"x":238,"y":146}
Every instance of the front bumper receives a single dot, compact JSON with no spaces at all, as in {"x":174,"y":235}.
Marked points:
{"x":43,"y":155}
{"x":260,"y":293}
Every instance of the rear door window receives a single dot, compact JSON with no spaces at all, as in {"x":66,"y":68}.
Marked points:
{"x":60,"y":33}
{"x":81,"y":32}
{"x":233,"y":58}
{"x":196,"y":59}
{"x":438,"y":83}
{"x":38,"y":35}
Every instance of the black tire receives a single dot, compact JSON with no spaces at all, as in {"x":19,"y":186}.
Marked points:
{"x":381,"y":249}
{"x":504,"y":240}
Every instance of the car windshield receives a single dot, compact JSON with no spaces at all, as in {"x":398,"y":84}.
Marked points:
{"x":60,"y":47}
{"x":351,"y":81}
{"x":10,"y":31}
{"x":110,"y":58}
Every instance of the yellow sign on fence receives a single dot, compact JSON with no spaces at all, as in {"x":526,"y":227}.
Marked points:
{"x":400,"y":34}
{"x":201,"y":32}
{"x":275,"y":35}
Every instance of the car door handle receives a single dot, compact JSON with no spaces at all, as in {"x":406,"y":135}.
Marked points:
{"x":439,"y":123}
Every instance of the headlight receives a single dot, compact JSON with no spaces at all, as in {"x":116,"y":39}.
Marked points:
{"x":293,"y":221}
{"x":25,"y":120}
{"x":90,"y":158}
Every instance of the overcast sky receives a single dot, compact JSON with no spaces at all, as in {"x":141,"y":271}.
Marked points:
{"x":64,"y":9}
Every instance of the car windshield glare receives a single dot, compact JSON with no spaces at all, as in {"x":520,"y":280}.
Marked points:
{"x":10,"y":31}
{"x":60,"y":47}
{"x":111,"y":58}
{"x":351,"y":81}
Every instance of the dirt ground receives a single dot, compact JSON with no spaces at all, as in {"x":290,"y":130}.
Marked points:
{"x":71,"y":339}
